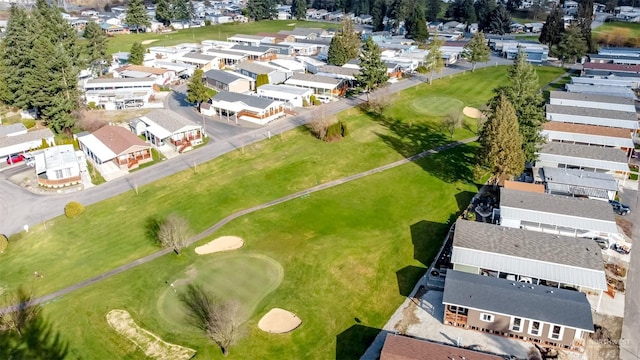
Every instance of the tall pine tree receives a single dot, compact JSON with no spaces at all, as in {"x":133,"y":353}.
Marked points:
{"x":196,"y":90}
{"x":522,"y":92}
{"x":137,"y":15}
{"x":96,"y":47}
{"x":345,"y":45}
{"x":433,"y":9}
{"x":136,"y":54}
{"x":416,"y":26}
{"x":553,"y":27}
{"x":299,"y":9}
{"x":163,"y":12}
{"x":585,"y":17}
{"x":476,"y":50}
{"x":501,"y":143}
{"x":373,"y":71}
{"x":378,"y":12}
{"x":17,"y":62}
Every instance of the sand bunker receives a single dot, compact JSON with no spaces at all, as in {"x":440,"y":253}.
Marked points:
{"x":472,"y":112}
{"x":147,"y":42}
{"x":149,"y":343}
{"x":279,"y":321}
{"x":223,"y":243}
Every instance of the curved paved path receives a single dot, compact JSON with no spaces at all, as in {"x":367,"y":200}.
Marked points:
{"x":224,"y":221}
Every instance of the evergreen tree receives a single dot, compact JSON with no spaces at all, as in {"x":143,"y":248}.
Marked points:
{"x":137,"y":15}
{"x":345,"y":45}
{"x":501,"y":143}
{"x":17,"y":63}
{"x":476,"y":50}
{"x":462,"y":11}
{"x":585,"y":17}
{"x":261,"y":9}
{"x":164,"y":12}
{"x":399,"y":11}
{"x":96,"y":46}
{"x":196,"y":89}
{"x":500,"y":20}
{"x":416,"y":26}
{"x":378,"y":12}
{"x":572,"y":46}
{"x":433,"y":9}
{"x":180,"y":10}
{"x":513,"y":4}
{"x":373,"y":71}
{"x":522,"y":92}
{"x":299,"y":8}
{"x":434,"y":57}
{"x":553,"y":27}
{"x":136,"y":54}
{"x":484,"y":8}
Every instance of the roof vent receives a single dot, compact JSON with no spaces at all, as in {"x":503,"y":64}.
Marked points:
{"x":549,"y":291}
{"x":532,"y":287}
{"x":514,"y":284}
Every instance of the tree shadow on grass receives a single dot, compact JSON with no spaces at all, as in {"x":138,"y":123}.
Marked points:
{"x":353,"y":342}
{"x":463,"y":198}
{"x":427,"y":237}
{"x":409,"y":139}
{"x":455,"y":164}
{"x":152,"y":227}
{"x":407,"y":278}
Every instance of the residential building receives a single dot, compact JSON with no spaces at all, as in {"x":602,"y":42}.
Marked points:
{"x":221,"y":80}
{"x":588,"y":135}
{"x":167,"y":128}
{"x":113,"y":148}
{"x":399,"y":347}
{"x":592,"y":101}
{"x":112,"y":94}
{"x":275,"y":38}
{"x":201,"y":61}
{"x":578,"y":183}
{"x":289,"y":65}
{"x":591,"y":116}
{"x":227,"y":57}
{"x":601,"y":90}
{"x":635,"y":69}
{"x":539,"y":314}
{"x":160,"y":75}
{"x":557,"y":214}
{"x":247,"y":40}
{"x":584,"y":157}
{"x":529,"y":257}
{"x":253,"y":69}
{"x":631,"y":83}
{"x":250,"y":108}
{"x":169,"y":53}
{"x":290,"y":95}
{"x":321,"y":85}
{"x":57,"y":166}
{"x":15,"y":140}
{"x":255,"y":53}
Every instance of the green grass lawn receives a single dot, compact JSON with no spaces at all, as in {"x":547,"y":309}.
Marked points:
{"x":343,"y":250}
{"x":633,"y":29}
{"x":214,"y":32}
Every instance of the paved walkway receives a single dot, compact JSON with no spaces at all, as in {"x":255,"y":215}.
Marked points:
{"x":224,"y":221}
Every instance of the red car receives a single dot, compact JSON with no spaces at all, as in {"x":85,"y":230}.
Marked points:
{"x":13,"y":159}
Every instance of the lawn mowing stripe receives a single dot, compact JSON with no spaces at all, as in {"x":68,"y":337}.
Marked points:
{"x":224,"y":221}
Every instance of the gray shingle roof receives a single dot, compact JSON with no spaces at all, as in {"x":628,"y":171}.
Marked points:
{"x":589,"y":112}
{"x":255,"y":68}
{"x":550,"y":248}
{"x":243,"y":49}
{"x":169,"y":120}
{"x":199,"y":56}
{"x":557,"y":204}
{"x":11,"y":128}
{"x":590,"y":97}
{"x":22,"y":138}
{"x":315,"y":78}
{"x":225,"y":77}
{"x":584,"y":151}
{"x":542,"y":303}
{"x":332,"y":69}
{"x":581,"y":178}
{"x":285,"y":89}
{"x":253,"y":101}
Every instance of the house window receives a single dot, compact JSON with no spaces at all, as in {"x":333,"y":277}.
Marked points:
{"x":486,"y":317}
{"x":516,"y":324}
{"x":556,"y":332}
{"x":458,"y":310}
{"x":534,"y":328}
{"x":59,"y":174}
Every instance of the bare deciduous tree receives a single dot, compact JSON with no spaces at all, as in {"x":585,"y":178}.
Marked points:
{"x":23,"y":315}
{"x":452,"y":121}
{"x":319,"y":127}
{"x":220,"y":320}
{"x":174,"y":233}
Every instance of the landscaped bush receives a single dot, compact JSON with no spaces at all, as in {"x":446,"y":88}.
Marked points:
{"x":29,"y":123}
{"x":315,"y":101}
{"x":4,"y":243}
{"x":336,"y":131}
{"x":305,"y":103}
{"x":73,"y":209}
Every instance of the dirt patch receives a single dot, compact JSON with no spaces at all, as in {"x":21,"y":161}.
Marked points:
{"x":409,"y":312}
{"x":279,"y":321}
{"x":147,"y":42}
{"x":604,"y":343}
{"x":224,"y":243}
{"x":472,"y":112}
{"x":625,"y":225}
{"x":150,"y":344}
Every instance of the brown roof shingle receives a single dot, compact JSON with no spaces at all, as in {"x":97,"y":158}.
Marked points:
{"x":397,"y":347}
{"x":587,"y":129}
{"x":118,"y":139}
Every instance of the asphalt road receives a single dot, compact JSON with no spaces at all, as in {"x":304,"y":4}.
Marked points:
{"x":630,"y":339}
{"x":19,"y":207}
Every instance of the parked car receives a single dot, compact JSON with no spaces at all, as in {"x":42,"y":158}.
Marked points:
{"x":13,"y":159}
{"x":620,"y":208}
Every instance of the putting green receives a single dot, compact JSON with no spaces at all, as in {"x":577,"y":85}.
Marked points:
{"x":245,"y":277}
{"x":436,"y":105}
